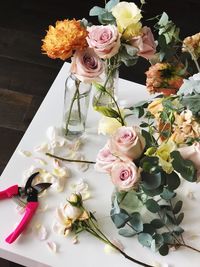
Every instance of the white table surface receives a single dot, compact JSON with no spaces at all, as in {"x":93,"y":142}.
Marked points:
{"x":29,"y":251}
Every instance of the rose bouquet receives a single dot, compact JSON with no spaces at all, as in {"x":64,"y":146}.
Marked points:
{"x":97,"y":51}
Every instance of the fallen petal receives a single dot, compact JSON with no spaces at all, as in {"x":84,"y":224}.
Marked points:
{"x":43,"y":148}
{"x":42,"y":233}
{"x":52,"y":246}
{"x":25,"y":153}
{"x":40,"y":161}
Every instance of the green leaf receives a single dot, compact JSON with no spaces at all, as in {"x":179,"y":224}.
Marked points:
{"x":192,"y":102}
{"x":120,"y":219}
{"x":185,"y":167}
{"x":151,"y":181}
{"x":172,"y":181}
{"x":148,"y":228}
{"x":154,"y":192}
{"x":167,"y":194}
{"x":164,"y":19}
{"x":136,"y":222}
{"x":96,"y":11}
{"x":111,"y":4}
{"x":178,"y":207}
{"x":131,"y":50}
{"x":108,"y":112}
{"x":159,"y":240}
{"x":157,"y":223}
{"x":150,"y":140}
{"x":150,"y":165}
{"x":168,"y":238}
{"x":178,"y":230}
{"x":144,"y":125}
{"x":145,"y":239}
{"x":106,"y":18}
{"x":127,"y":232}
{"x":179,"y":218}
{"x":99,"y":87}
{"x":164,"y":250}
{"x":129,"y":202}
{"x":152,"y":205}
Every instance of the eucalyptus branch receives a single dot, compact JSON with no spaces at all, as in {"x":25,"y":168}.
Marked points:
{"x":69,"y":160}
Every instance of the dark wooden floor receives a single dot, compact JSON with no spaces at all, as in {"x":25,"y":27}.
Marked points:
{"x":26,"y":74}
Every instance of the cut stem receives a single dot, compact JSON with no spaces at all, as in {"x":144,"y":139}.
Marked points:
{"x":70,"y":160}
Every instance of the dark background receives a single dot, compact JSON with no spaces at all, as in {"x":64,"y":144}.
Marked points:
{"x":26,"y":74}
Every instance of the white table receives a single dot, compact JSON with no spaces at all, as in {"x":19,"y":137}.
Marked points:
{"x":29,"y":251}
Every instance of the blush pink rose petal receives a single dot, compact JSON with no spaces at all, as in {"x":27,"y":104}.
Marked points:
{"x":192,"y":153}
{"x":145,"y":43}
{"x":124,"y":175}
{"x":104,"y":160}
{"x":105,"y":40}
{"x":128,"y":141}
{"x":87,"y":66}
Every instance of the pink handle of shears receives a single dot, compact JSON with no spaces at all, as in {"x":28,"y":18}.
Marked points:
{"x":9,"y":192}
{"x":31,"y":208}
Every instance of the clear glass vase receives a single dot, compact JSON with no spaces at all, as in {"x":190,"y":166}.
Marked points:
{"x":110,"y":82}
{"x":76,"y":103}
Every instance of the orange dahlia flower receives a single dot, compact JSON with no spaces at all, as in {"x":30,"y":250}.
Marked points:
{"x":164,"y":78}
{"x":63,"y":39}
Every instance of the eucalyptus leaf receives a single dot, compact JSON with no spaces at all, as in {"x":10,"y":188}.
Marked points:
{"x":154,"y":192}
{"x":106,"y":18}
{"x":127,"y":232}
{"x":180,"y":217}
{"x":157,"y":223}
{"x":96,"y":11}
{"x":178,"y":207}
{"x":145,"y":239}
{"x":185,"y":167}
{"x":152,"y":205}
{"x":167,"y":194}
{"x":164,"y":250}
{"x":129,"y":202}
{"x":120,"y":219}
{"x":159,"y":240}
{"x":148,"y":228}
{"x":164,"y":19}
{"x":172,"y":181}
{"x":168,"y":238}
{"x":111,"y":4}
{"x":151,"y":181}
{"x":136,"y":222}
{"x":178,"y":230}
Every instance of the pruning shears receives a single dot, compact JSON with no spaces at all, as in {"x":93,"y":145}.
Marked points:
{"x":26,"y":197}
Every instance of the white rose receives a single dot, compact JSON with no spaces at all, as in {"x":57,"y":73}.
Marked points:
{"x":126,"y":14}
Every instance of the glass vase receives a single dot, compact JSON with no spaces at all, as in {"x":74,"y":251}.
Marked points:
{"x":76,"y":102}
{"x":110,"y":82}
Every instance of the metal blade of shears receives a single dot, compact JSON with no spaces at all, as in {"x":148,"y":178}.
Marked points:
{"x":30,"y":180}
{"x":41,"y":187}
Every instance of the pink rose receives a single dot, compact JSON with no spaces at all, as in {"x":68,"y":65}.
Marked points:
{"x":128,"y":141}
{"x":105,"y":160}
{"x":145,"y":43}
{"x":192,"y":153}
{"x":86,"y":65}
{"x":124,"y":175}
{"x":105,"y":40}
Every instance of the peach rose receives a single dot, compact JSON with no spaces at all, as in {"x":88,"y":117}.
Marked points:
{"x":145,"y":43}
{"x":128,"y":141}
{"x":86,"y":65}
{"x":192,"y":153}
{"x":104,"y":160}
{"x":105,"y":40}
{"x":124,"y":175}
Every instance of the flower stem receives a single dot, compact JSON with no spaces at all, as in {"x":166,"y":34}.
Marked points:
{"x":76,"y":96}
{"x":70,"y":160}
{"x":190,"y":247}
{"x":100,"y":235}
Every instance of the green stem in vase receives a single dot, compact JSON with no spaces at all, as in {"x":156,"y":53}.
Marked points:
{"x":75,"y":97}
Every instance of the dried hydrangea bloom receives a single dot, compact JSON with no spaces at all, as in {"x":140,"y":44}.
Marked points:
{"x":164,"y":78}
{"x":191,"y":44}
{"x":184,"y":127}
{"x":66,"y":37}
